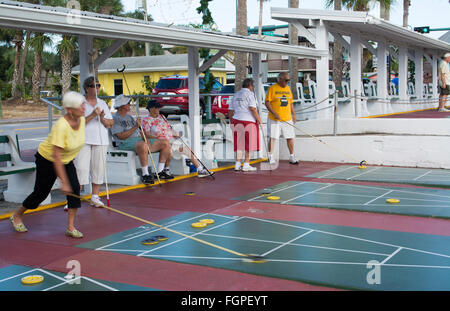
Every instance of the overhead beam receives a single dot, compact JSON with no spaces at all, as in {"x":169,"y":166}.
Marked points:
{"x":341,"y":40}
{"x":109,"y":52}
{"x":304,"y":32}
{"x":369,"y":47}
{"x":53,"y":21}
{"x":211,"y":61}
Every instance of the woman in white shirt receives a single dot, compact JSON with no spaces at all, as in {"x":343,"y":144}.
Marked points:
{"x":245,"y":119}
{"x":90,"y":160}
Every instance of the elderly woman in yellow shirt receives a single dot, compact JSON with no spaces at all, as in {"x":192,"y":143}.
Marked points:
{"x":54,"y":158}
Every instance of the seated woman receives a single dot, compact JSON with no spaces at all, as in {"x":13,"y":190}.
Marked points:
{"x":156,"y":127}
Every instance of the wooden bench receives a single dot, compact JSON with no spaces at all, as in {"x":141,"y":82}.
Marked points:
{"x":20,"y":175}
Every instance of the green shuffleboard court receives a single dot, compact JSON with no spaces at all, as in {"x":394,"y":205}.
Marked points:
{"x":328,"y":255}
{"x":402,"y":175}
{"x":413,"y":201}
{"x":10,"y":280}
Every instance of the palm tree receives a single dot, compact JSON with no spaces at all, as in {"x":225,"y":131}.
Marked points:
{"x":37,"y":43}
{"x":406,"y":4}
{"x":337,"y":54}
{"x":261,"y":6}
{"x":293,"y":61}
{"x":66,"y":48}
{"x":241,"y":57}
{"x":18,"y":43}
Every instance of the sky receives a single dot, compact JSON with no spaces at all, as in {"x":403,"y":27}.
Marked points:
{"x":433,"y":13}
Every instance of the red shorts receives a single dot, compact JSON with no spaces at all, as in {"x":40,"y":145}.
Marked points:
{"x":245,"y":135}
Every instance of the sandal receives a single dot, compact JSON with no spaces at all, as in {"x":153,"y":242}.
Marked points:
{"x":74,"y":234}
{"x":20,"y":227}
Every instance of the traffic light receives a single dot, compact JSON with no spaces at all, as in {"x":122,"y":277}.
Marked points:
{"x":424,"y":29}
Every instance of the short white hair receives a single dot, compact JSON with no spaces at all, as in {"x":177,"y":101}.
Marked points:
{"x":72,"y":100}
{"x":447,"y":55}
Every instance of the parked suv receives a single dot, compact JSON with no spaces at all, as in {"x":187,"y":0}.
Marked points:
{"x":174,"y":85}
{"x":221,"y":102}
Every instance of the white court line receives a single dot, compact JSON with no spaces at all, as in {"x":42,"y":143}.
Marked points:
{"x":404,"y":191}
{"x":192,"y":257}
{"x":380,"y":196}
{"x":263,"y":241}
{"x":376,"y":168}
{"x":359,"y":204}
{"x":371,"y":196}
{"x":82,"y":278}
{"x":331,"y":173}
{"x":305,"y":261}
{"x":286,"y":243}
{"x":17,"y":275}
{"x":356,"y":263}
{"x":284,"y":188}
{"x":391,"y":255}
{"x":124,"y":240}
{"x":184,"y":238}
{"x":328,"y":185}
{"x":348,"y":236}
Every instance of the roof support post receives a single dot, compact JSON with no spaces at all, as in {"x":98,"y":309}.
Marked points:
{"x":419,"y":73}
{"x":194,"y":100}
{"x":434,"y":65}
{"x":355,"y":70}
{"x":86,"y":44}
{"x":403,"y":73}
{"x":382,"y":72}
{"x":257,"y":78}
{"x":322,"y":71}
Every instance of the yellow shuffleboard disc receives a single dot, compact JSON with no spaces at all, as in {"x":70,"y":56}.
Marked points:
{"x":32,"y":279}
{"x":273,"y":197}
{"x":362,"y":167}
{"x":199,"y":225}
{"x":207,"y":221}
{"x":151,"y":241}
{"x":392,"y":201}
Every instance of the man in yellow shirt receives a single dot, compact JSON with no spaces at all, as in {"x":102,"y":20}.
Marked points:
{"x":279,"y":102}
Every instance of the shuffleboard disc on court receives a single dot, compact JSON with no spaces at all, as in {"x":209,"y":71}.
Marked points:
{"x":160,"y":237}
{"x":207,"y":221}
{"x":361,"y":167}
{"x":151,"y":241}
{"x":392,"y":201}
{"x":189,"y":193}
{"x":266,"y":192}
{"x":32,"y":279}
{"x":198,"y":225}
{"x":273,"y":197}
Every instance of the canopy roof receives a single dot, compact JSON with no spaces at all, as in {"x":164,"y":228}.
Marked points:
{"x":368,"y":27}
{"x":39,"y":18}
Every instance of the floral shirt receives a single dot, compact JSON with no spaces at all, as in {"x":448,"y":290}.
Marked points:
{"x":158,"y":127}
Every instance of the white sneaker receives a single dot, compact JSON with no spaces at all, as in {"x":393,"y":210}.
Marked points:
{"x":95,"y":201}
{"x":249,"y":168}
{"x":271,"y":159}
{"x":204,"y":173}
{"x":66,"y":208}
{"x":237,"y":168}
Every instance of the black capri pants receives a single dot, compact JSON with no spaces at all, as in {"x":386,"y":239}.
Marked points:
{"x":45,"y":178}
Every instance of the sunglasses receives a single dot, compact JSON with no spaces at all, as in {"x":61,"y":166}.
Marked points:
{"x":96,"y":85}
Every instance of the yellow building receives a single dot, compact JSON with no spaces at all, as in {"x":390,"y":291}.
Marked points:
{"x":152,"y":67}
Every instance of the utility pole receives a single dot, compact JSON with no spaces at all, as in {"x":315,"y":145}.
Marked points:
{"x":142,"y":5}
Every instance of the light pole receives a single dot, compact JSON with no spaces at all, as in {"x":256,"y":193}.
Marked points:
{"x":142,"y":5}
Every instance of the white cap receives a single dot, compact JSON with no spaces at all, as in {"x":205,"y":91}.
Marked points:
{"x":447,"y":55}
{"x":121,"y":100}
{"x":72,"y":100}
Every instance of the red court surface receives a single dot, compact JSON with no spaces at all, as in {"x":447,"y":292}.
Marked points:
{"x":45,"y":246}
